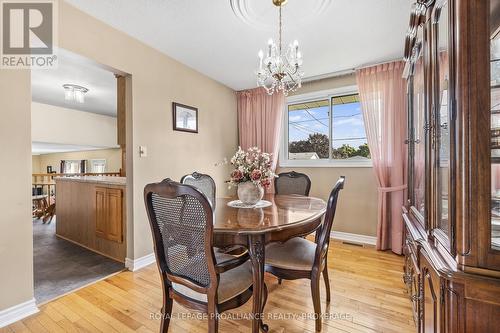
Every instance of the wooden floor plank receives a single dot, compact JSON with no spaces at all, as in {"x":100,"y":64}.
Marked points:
{"x":368,"y":296}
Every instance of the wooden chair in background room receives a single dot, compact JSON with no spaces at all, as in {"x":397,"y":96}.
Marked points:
{"x":292,"y":183}
{"x":299,"y":258}
{"x":181,"y":220}
{"x":202,"y":182}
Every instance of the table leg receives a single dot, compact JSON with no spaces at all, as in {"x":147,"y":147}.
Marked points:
{"x":257,"y":257}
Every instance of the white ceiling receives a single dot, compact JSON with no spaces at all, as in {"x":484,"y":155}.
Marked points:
{"x":46,"y":85}
{"x":221,"y":38}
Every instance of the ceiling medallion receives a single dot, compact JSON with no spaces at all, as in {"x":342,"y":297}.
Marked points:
{"x":74,"y":93}
{"x":256,"y":13}
{"x":280,"y":69}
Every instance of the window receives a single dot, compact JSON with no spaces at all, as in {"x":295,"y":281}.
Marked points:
{"x":325,"y":129}
{"x":72,"y":166}
{"x":97,"y":166}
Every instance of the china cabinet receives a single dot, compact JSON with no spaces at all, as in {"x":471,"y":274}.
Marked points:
{"x":452,"y":213}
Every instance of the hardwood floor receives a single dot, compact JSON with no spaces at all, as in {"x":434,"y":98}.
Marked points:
{"x":368,"y":295}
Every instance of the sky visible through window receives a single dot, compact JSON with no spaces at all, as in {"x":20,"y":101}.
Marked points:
{"x":348,"y":127}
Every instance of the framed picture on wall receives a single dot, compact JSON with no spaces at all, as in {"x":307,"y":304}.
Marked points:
{"x":185,"y":118}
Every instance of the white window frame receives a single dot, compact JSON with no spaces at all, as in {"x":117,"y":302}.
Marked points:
{"x":320,"y":163}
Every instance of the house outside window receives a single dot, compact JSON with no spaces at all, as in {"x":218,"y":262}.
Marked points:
{"x":325,"y":129}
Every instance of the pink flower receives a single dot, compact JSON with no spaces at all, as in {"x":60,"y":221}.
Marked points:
{"x":256,"y":174}
{"x":265,"y":183}
{"x":237,"y":175}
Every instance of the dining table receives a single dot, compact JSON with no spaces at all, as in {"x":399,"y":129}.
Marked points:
{"x":285,"y":217}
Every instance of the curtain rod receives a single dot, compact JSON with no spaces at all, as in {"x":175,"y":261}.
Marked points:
{"x":346,"y":71}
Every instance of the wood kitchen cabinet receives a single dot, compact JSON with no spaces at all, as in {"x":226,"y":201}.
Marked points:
{"x":109,"y":217}
{"x":91,"y":212}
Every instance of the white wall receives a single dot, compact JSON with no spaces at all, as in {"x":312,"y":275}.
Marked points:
{"x":53,"y":124}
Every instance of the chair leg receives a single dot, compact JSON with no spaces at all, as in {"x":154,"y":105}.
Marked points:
{"x":166,"y":313}
{"x":316,"y":301}
{"x":280,"y":280}
{"x":213,"y":323}
{"x":213,"y":315}
{"x":327,"y":282}
{"x":264,"y":300}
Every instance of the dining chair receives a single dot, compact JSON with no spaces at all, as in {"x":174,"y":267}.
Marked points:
{"x":204,"y":183}
{"x":181,"y":220}
{"x":299,"y":258}
{"x":292,"y":183}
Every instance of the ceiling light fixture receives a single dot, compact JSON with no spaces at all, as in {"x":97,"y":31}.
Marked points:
{"x":280,"y":69}
{"x":74,"y":93}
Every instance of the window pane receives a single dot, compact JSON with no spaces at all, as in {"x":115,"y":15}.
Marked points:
{"x":72,"y":166}
{"x":98,"y":166}
{"x":348,"y":129}
{"x":308,"y":130}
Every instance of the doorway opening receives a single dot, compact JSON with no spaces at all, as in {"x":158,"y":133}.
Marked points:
{"x":78,"y":175}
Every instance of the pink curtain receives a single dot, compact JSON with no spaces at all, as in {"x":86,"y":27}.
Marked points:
{"x":383,"y":93}
{"x":259,"y":121}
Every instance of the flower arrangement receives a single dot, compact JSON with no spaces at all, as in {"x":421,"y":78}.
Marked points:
{"x":251,"y":165}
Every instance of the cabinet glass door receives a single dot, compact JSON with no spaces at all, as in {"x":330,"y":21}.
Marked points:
{"x":495,"y":135}
{"x":442,"y":108}
{"x":419,"y":120}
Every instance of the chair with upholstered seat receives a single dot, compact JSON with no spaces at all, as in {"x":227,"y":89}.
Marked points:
{"x":202,"y":182}
{"x":181,"y":220}
{"x":299,"y":258}
{"x":292,"y":183}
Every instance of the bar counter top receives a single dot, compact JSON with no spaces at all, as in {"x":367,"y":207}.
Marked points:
{"x":104,"y":180}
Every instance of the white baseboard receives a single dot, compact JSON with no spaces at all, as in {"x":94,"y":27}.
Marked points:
{"x":354,"y":238}
{"x":17,"y":312}
{"x":136,"y":264}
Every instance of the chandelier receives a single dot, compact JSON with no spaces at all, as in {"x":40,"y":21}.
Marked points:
{"x":74,"y":93}
{"x":280,"y":69}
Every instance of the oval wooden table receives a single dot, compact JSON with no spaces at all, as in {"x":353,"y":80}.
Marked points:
{"x":288,"y":216}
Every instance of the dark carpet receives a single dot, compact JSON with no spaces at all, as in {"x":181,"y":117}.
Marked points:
{"x":61,"y":266}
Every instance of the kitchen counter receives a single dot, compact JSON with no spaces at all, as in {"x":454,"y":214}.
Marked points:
{"x":91,"y":212}
{"x":103,"y":180}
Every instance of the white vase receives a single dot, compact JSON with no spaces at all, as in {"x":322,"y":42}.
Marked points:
{"x":249,"y":193}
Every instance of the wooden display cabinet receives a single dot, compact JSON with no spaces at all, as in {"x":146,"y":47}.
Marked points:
{"x":452,"y":215}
